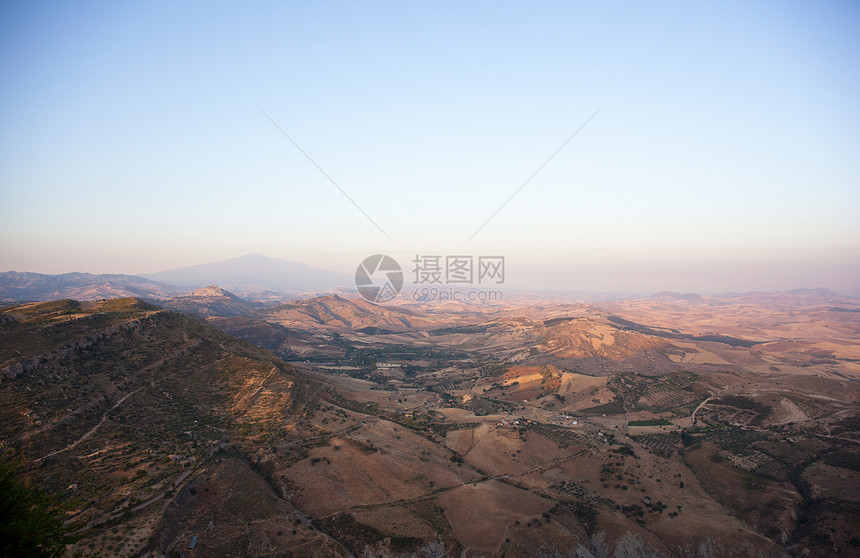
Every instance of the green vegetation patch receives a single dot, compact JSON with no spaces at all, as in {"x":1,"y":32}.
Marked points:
{"x":494,"y":370}
{"x":844,"y":459}
{"x":651,"y":422}
{"x":663,"y":445}
{"x":555,"y":321}
{"x":614,"y":407}
{"x":358,"y":535}
{"x":561,"y":436}
{"x":471,"y":329}
{"x":31,"y":523}
{"x":745,"y":403}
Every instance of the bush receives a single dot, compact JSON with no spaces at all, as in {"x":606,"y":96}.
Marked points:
{"x":31,"y":522}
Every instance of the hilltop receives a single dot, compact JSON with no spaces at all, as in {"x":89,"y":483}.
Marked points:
{"x":211,"y":301}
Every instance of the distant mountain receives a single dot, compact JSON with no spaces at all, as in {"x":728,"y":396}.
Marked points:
{"x":819,"y":292}
{"x":21,"y":286}
{"x":256,"y":274}
{"x":679,"y":296}
{"x":211,"y":301}
{"x":796,"y":297}
{"x":780,"y":298}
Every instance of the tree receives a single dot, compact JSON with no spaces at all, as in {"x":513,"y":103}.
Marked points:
{"x":31,"y":522}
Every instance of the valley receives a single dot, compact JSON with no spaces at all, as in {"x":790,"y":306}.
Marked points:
{"x":672,"y":425}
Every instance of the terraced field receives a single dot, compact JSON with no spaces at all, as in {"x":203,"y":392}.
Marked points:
{"x":664,"y":445}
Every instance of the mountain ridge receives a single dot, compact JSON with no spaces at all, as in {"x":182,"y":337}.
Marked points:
{"x":255,"y":273}
{"x":16,"y":286}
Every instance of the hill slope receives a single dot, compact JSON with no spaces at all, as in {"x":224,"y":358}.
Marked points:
{"x":115,"y":405}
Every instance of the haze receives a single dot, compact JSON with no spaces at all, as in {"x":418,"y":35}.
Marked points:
{"x":135,"y":139}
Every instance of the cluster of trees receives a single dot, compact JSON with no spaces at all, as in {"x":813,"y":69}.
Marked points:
{"x":31,"y":522}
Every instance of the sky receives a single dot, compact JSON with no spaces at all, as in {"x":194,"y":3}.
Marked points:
{"x":720,"y":151}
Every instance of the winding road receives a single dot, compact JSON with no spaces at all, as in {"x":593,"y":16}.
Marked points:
{"x":696,"y":410}
{"x":92,"y":430}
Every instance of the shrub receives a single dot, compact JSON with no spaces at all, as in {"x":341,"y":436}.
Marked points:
{"x":30,"y":521}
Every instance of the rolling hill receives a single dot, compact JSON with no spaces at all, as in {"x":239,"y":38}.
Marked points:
{"x":334,"y":313}
{"x":570,"y":431}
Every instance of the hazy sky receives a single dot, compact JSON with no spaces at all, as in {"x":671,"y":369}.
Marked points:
{"x":726,"y":155}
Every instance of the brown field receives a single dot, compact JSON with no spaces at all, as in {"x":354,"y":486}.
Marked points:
{"x":482,"y":514}
{"x":502,"y":451}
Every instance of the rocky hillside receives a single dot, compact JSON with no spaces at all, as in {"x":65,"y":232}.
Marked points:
{"x":115,"y":405}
